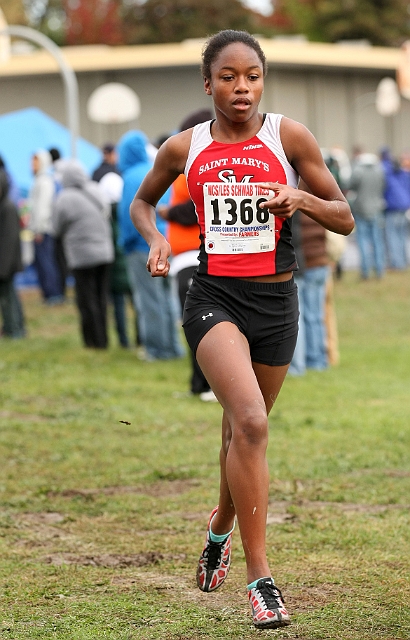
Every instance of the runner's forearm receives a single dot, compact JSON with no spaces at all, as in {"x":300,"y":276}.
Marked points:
{"x":144,"y":219}
{"x":334,"y":215}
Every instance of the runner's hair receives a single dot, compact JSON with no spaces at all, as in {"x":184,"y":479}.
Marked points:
{"x":219,"y":41}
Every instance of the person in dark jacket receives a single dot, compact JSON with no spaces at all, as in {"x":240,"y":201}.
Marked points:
{"x":112,"y":185}
{"x":109,"y":163}
{"x":10,"y":263}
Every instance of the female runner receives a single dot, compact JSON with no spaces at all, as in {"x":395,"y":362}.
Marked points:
{"x":243,"y":171}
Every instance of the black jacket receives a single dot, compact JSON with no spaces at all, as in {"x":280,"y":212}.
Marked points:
{"x":10,"y":249}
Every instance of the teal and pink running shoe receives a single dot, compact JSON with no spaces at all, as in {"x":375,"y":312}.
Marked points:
{"x":268,"y":608}
{"x":215,"y":560}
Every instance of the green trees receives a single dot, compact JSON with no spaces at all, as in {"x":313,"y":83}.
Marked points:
{"x":177,"y":20}
{"x":381,"y":22}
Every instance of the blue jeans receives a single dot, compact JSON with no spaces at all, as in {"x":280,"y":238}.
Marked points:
{"x":396,"y":227}
{"x":120,"y":315}
{"x":156,"y":309}
{"x":314,"y":293}
{"x":298,"y":365}
{"x":371,"y":246}
{"x":49,"y":276}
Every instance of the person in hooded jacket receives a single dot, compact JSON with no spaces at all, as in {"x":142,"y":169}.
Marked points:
{"x":397,"y":202}
{"x":367,"y":183}
{"x":10,"y":262}
{"x":40,"y":207}
{"x":14,"y":192}
{"x":152,"y":297}
{"x":111,"y":185}
{"x":80,"y":218}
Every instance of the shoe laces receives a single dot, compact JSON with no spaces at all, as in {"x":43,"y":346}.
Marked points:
{"x":271,"y":595}
{"x":213,"y":554}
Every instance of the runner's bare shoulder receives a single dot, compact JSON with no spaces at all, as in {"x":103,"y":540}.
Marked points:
{"x":174,"y":151}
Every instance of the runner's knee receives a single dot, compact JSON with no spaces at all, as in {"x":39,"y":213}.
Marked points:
{"x":251,"y":428}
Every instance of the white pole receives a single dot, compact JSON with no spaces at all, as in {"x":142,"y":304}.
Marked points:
{"x":69,"y":77}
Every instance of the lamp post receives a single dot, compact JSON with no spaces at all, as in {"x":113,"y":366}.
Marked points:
{"x":386,"y":100}
{"x":69,"y":77}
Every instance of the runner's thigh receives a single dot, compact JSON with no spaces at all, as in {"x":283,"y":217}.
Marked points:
{"x":223,"y":355}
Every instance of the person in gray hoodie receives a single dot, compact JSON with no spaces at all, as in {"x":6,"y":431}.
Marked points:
{"x":40,"y":206}
{"x":80,"y":218}
{"x":367,"y":184}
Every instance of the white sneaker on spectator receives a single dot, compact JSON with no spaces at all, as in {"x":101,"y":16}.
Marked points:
{"x":208,"y":396}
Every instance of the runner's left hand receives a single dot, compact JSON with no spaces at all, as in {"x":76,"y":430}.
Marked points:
{"x":285,"y":201}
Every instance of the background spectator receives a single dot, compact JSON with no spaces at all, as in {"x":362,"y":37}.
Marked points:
{"x":40,"y":208}
{"x":14,"y":192}
{"x":152,"y":297}
{"x":111,"y":186}
{"x":10,"y":262}
{"x":297,"y":366}
{"x":58,"y":245}
{"x":397,"y":197}
{"x":108,"y":164}
{"x":183,"y":236}
{"x":316,"y":273}
{"x":311,"y":253}
{"x":80,"y":218}
{"x":367,"y":184}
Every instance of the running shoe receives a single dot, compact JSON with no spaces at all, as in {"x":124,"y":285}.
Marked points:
{"x":268,"y":609}
{"x":215,"y":560}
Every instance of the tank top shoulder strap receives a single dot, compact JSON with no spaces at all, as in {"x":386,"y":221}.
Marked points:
{"x":270,"y":135}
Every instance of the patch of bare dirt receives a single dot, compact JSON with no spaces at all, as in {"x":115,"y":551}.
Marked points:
{"x":47,"y":517}
{"x":27,"y":417}
{"x":312,"y":597}
{"x":396,"y":473}
{"x":157,"y":489}
{"x":279,"y":510}
{"x":109,"y":560}
{"x":42,"y":528}
{"x":351,"y":507}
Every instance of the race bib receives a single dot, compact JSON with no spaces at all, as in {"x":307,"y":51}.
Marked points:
{"x":234,"y":220}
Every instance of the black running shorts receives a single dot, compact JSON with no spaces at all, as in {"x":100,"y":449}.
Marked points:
{"x":265,"y":312}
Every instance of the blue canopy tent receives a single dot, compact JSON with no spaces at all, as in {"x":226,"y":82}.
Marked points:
{"x":24,"y":132}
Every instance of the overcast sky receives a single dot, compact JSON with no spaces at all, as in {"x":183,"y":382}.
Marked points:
{"x":263,"y":6}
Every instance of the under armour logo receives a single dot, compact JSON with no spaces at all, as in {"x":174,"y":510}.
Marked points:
{"x":208,"y":316}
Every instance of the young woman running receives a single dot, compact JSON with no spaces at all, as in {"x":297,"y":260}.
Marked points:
{"x":240,"y":318}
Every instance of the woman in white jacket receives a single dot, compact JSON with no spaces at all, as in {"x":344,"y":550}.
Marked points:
{"x":40,"y":205}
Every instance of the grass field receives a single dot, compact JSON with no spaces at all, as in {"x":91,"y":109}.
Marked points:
{"x":102,"y":521}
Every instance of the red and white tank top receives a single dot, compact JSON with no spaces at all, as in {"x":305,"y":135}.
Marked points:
{"x":238,"y":238}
